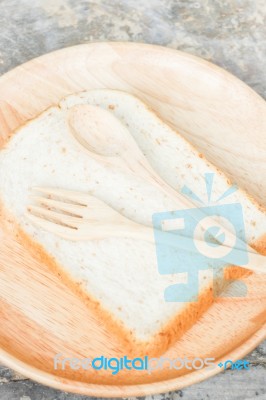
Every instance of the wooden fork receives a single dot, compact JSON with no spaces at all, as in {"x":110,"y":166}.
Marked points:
{"x":78,"y":216}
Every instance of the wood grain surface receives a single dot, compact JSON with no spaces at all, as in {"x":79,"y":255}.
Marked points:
{"x":33,"y":330}
{"x":19,"y":44}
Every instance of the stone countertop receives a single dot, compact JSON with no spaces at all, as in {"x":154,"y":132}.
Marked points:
{"x":230,"y":33}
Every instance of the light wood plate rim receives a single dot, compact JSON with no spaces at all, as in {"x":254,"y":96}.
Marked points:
{"x":111,"y":391}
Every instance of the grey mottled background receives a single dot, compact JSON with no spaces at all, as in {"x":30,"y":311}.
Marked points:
{"x":230,"y":33}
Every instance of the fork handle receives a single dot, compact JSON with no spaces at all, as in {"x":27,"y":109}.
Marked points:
{"x":157,"y":181}
{"x":256,"y":262}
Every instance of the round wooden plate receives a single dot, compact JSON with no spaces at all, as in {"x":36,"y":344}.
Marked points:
{"x":39,"y":317}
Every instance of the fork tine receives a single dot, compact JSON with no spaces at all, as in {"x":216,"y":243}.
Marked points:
{"x":62,"y":219}
{"x":79,"y":197}
{"x":63,"y":231}
{"x":58,"y":205}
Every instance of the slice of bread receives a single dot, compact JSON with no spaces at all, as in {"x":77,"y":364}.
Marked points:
{"x":119,"y":278}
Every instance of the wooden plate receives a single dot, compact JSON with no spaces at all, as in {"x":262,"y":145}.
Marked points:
{"x":39,"y":317}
